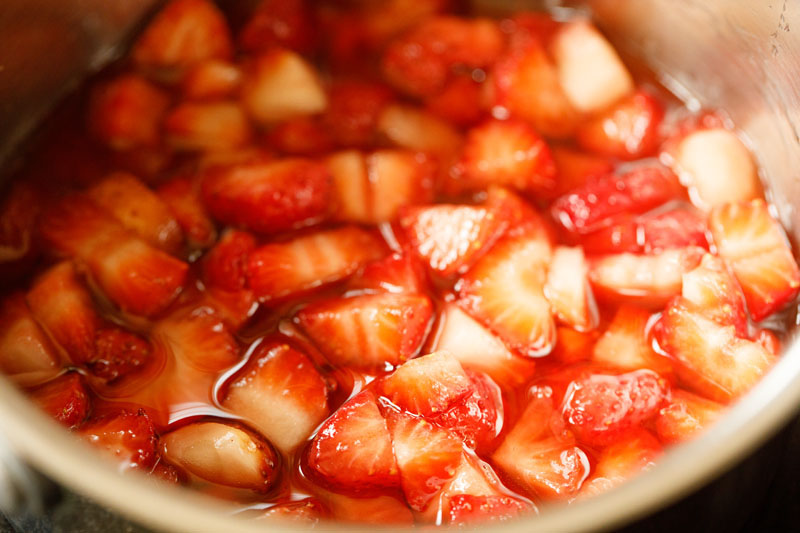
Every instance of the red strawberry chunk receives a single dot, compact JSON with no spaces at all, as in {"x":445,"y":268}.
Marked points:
{"x":383,"y":509}
{"x":600,"y":408}
{"x":505,"y":292}
{"x":460,"y":101}
{"x":709,"y":358}
{"x":576,"y":168}
{"x":625,"y":345}
{"x":623,"y":460}
{"x":755,"y":247}
{"x":301,"y":136}
{"x":279,"y":23}
{"x":126,"y":437}
{"x":450,"y":237}
{"x":224,"y":266}
{"x":676,"y":228}
{"x":508,"y":153}
{"x":352,"y":451}
{"x":593,"y":205}
{"x":627,"y":130}
{"x":65,"y":399}
{"x":397,"y":273}
{"x":234,"y":307}
{"x":268,"y":197}
{"x":519,"y":213}
{"x":568,"y":291}
{"x":207,"y":126}
{"x":713,"y":290}
{"x":211,"y":80}
{"x":469,"y":509}
{"x":370,"y":333}
{"x":573,"y":346}
{"x":353,"y":111}
{"x":478,"y":418}
{"x":307,"y":511}
{"x":685,"y":416}
{"x":27,"y":355}
{"x":427,"y":456}
{"x":285,"y":269}
{"x":117,"y":353}
{"x":182,"y":34}
{"x":182,"y":197}
{"x":199,"y":339}
{"x":429,"y":385}
{"x":281,"y":393}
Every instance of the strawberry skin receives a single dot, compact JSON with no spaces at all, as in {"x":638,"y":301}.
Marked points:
{"x":65,"y":399}
{"x":397,"y":273}
{"x":182,"y":196}
{"x":268,"y":197}
{"x":353,"y":111}
{"x":478,"y":418}
{"x":755,"y":247}
{"x":279,"y":23}
{"x":352,"y":451}
{"x":225,"y":264}
{"x":685,"y":416}
{"x":126,"y":437}
{"x":370,"y":333}
{"x":118,"y":353}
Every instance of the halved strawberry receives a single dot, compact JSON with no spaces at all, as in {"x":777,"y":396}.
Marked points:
{"x":281,"y":393}
{"x":427,"y":456}
{"x":284,"y":269}
{"x":301,"y":136}
{"x":225,"y":264}
{"x":182,"y":195}
{"x":276,"y":23}
{"x":575,"y":168}
{"x":139,"y":209}
{"x":709,"y":358}
{"x":505,"y":292}
{"x":459,"y":102}
{"x":126,"y":112}
{"x":546,"y":464}
{"x":476,"y":348}
{"x":353,"y":111}
{"x":568,"y":291}
{"x":268,"y":197}
{"x":589,"y":70}
{"x":127,"y":437}
{"x":207,"y":126}
{"x":595,"y":204}
{"x":508,"y":152}
{"x":466,"y":509}
{"x":212,"y":79}
{"x":478,"y":418}
{"x":600,"y":408}
{"x":622,"y":460}
{"x":625,"y":345}
{"x":428,"y":385}
{"x":307,"y":510}
{"x":755,"y":247}
{"x":449,"y":238}
{"x":223,"y":454}
{"x":399,"y":272}
{"x":117,"y":353}
{"x":27,"y":356}
{"x":685,"y":416}
{"x":627,"y":130}
{"x":65,"y":399}
{"x":352,"y":451}
{"x":199,"y":339}
{"x":647,"y":280}
{"x":370,"y":333}
{"x":182,"y":34}
{"x":279,"y":84}
{"x":716,"y":294}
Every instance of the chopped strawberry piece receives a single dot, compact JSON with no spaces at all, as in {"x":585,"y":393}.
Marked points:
{"x":397,"y":273}
{"x":595,"y":204}
{"x":449,"y":238}
{"x":27,"y":355}
{"x":285,"y":269}
{"x":213,"y":79}
{"x":623,"y":460}
{"x":183,"y":33}
{"x":576,"y":168}
{"x":268,"y":197}
{"x":307,"y":511}
{"x":676,"y":228}
{"x":398,"y":178}
{"x":648,"y":280}
{"x":768,"y":340}
{"x":353,"y":111}
{"x":352,"y":451}
{"x":709,"y":358}
{"x":301,"y":136}
{"x":138,"y":209}
{"x":280,"y":23}
{"x":199,"y":339}
{"x":427,"y":456}
{"x":126,"y":437}
{"x":505,"y":292}
{"x":117,"y":353}
{"x":409,"y":127}
{"x":600,"y":408}
{"x":625,"y":345}
{"x":201,"y":126}
{"x":508,"y":153}
{"x":477,"y":418}
{"x":225,"y":264}
{"x":469,"y":509}
{"x":182,"y":196}
{"x":460,"y":101}
{"x":279,"y":84}
{"x":372,"y":332}
{"x":476,"y":348}
{"x":755,"y":247}
{"x":519,"y":213}
{"x":685,"y":416}
{"x":429,"y":385}
{"x":713,"y":290}
{"x":126,"y":112}
{"x":573,"y":346}
{"x":65,"y":399}
{"x":627,"y":130}
{"x":233,"y":307}
{"x":223,"y":454}
{"x":568,"y":291}
{"x":281,"y":393}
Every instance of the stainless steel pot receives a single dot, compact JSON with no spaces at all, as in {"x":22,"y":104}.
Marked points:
{"x":734,"y":54}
